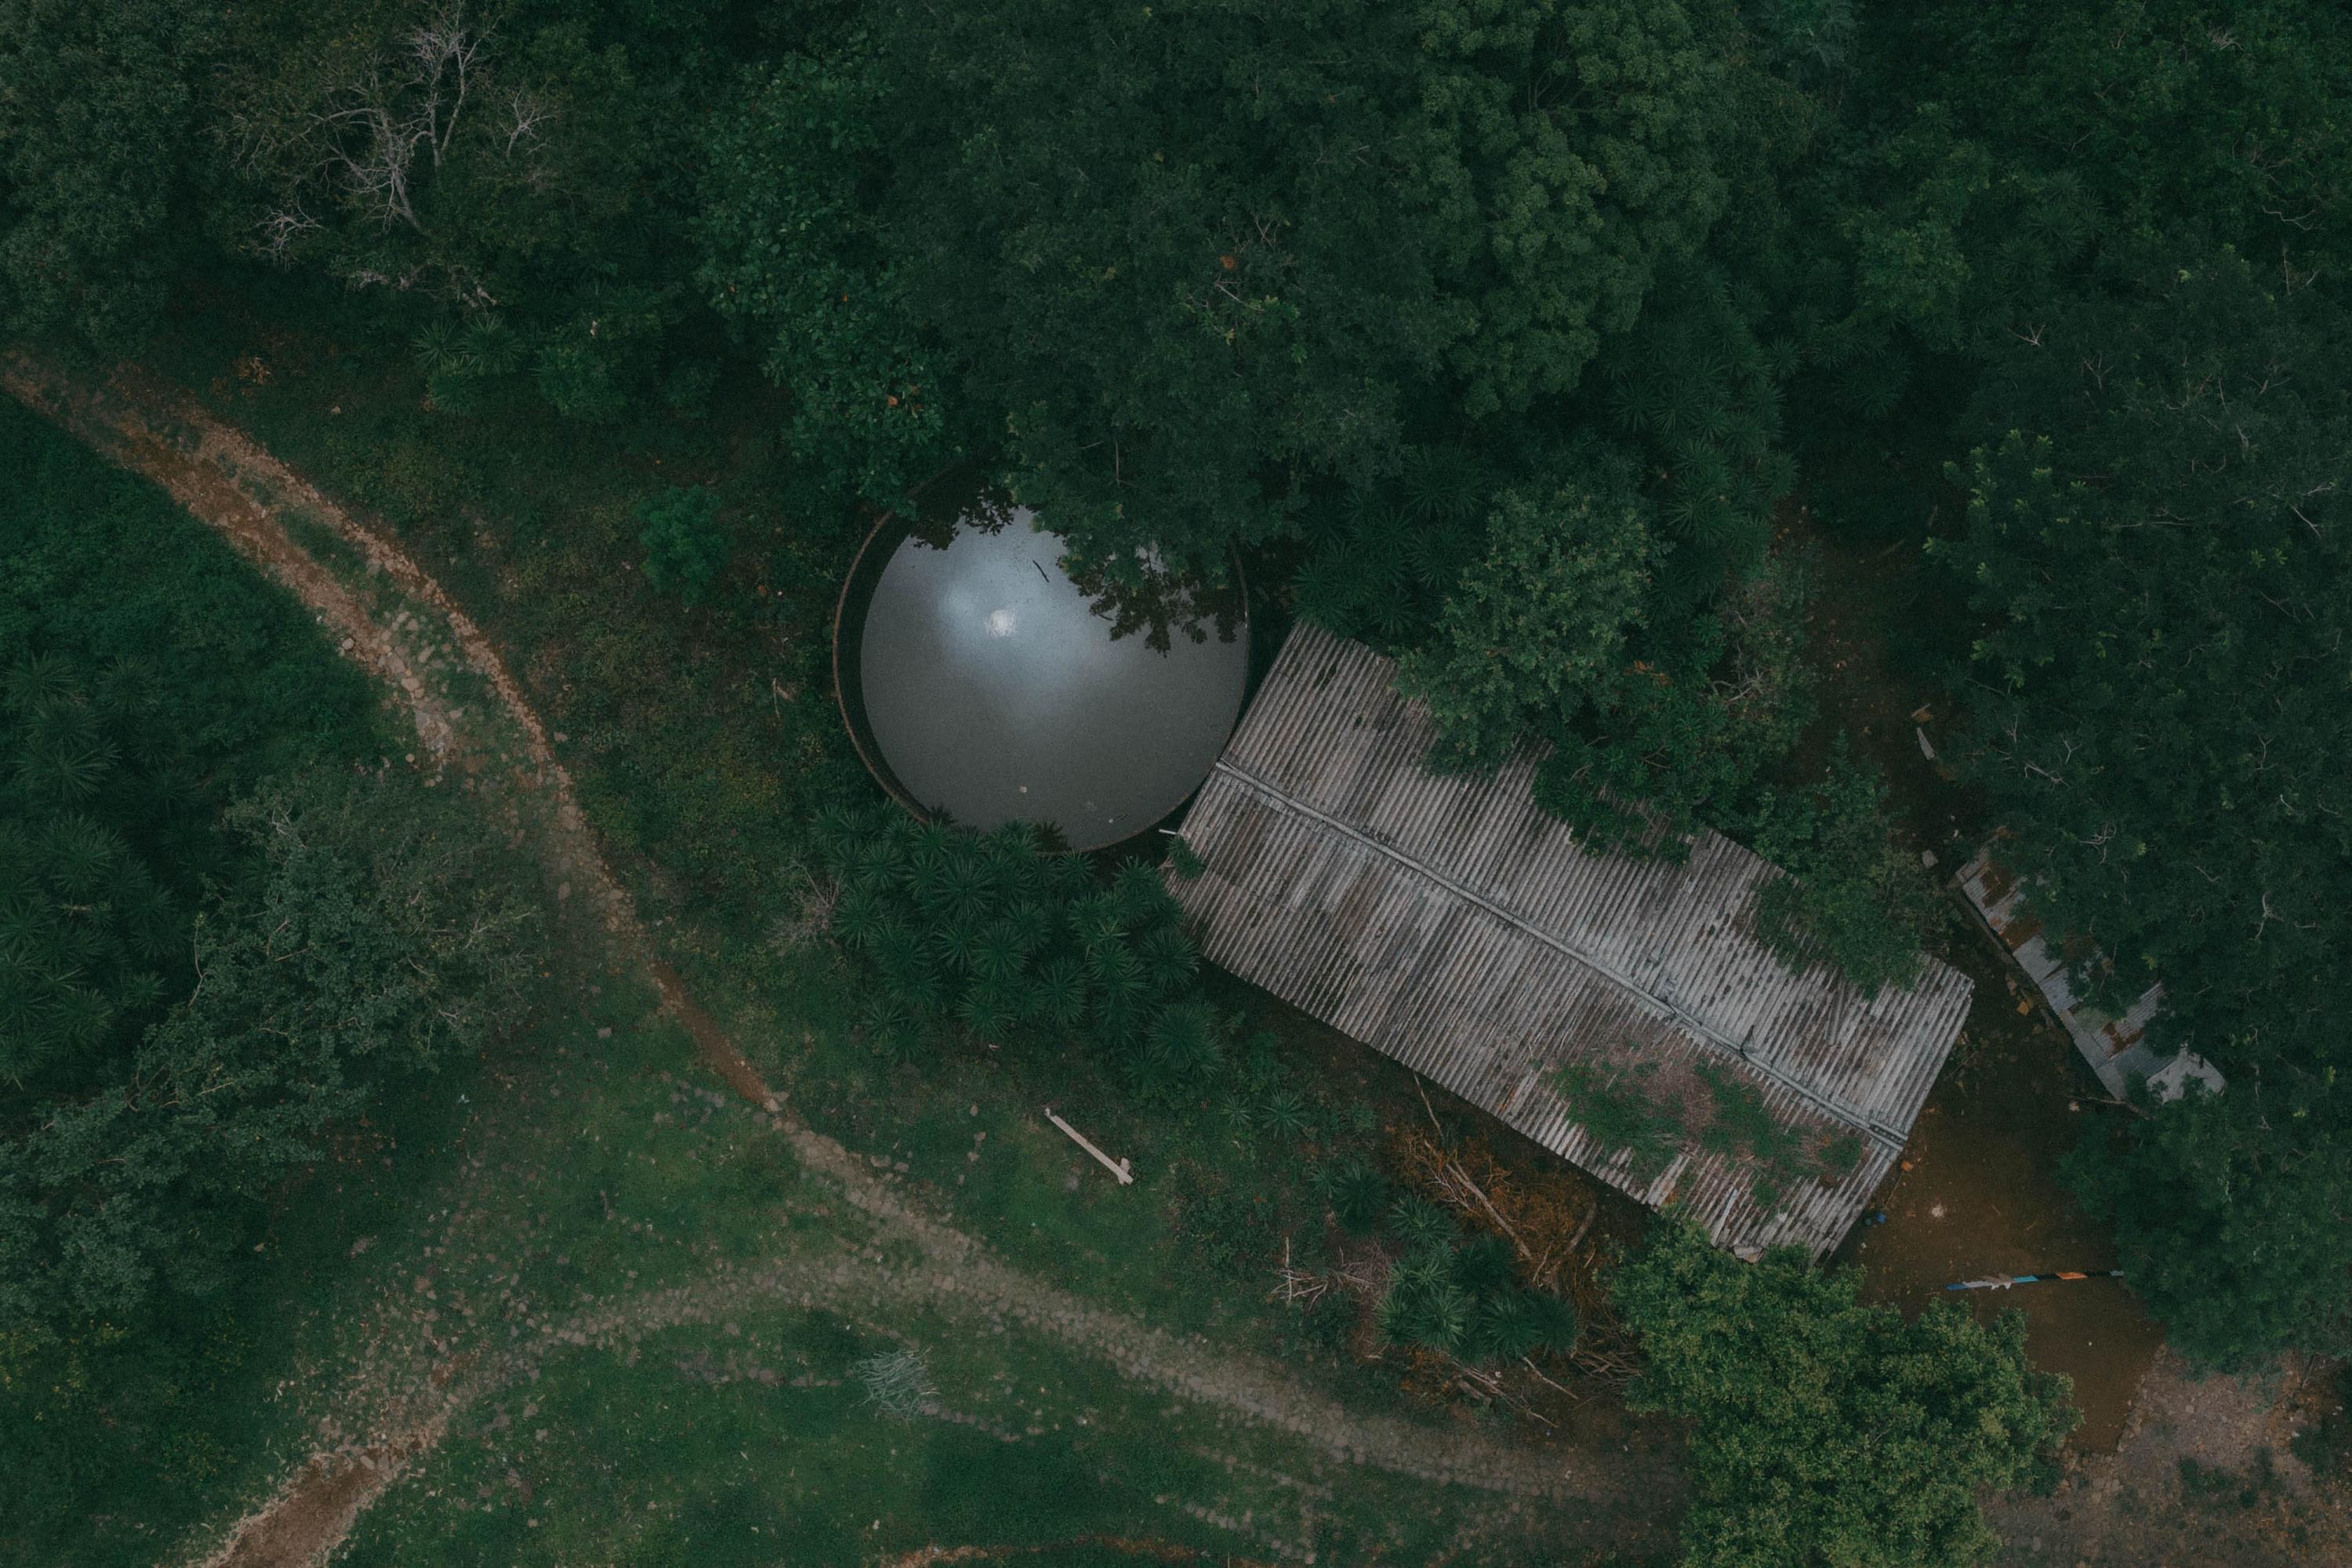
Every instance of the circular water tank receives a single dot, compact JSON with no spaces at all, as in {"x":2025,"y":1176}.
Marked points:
{"x":984,"y":686}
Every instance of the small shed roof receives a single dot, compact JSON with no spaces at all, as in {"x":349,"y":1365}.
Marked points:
{"x":2115,"y":1047}
{"x":1455,"y":926}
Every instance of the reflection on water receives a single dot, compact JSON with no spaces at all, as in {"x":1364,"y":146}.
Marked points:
{"x":995,"y":692}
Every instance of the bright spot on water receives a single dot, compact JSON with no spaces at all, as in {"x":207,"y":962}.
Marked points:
{"x":995,"y":692}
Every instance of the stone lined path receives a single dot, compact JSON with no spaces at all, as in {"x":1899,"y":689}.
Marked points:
{"x":223,"y":478}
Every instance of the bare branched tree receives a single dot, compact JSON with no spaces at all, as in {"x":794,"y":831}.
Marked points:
{"x":281,"y":229}
{"x":526,"y":114}
{"x":372,"y":130}
{"x":366,"y":131}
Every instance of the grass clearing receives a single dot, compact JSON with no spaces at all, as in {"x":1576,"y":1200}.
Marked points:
{"x":703,"y":741}
{"x":579,"y":1195}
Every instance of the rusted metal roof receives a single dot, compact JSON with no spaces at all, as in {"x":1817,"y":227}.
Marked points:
{"x":2115,"y":1045}
{"x":1455,"y":926}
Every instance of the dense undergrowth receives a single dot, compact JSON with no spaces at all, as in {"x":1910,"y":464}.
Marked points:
{"x":228,"y":931}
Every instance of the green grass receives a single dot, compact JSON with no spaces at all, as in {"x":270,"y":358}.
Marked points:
{"x":652,"y":1463}
{"x":586,"y":1164}
{"x":591,"y":1167}
{"x":703,"y":779}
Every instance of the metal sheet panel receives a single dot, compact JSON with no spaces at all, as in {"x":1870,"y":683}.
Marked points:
{"x":2115,"y":1047}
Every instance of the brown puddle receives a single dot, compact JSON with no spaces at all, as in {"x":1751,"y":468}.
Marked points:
{"x":1982,"y":1198}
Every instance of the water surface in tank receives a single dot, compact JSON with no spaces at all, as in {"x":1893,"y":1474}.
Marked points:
{"x":994,"y":690}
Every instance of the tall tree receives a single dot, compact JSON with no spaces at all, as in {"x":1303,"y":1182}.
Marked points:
{"x":1533,"y":629}
{"x":2157,"y":538}
{"x":2233,"y":1213}
{"x":1857,"y":901}
{"x":1188,"y":262}
{"x":89,"y":932}
{"x":378,"y":938}
{"x":504,"y":176}
{"x":1982,"y":158}
{"x":1824,"y":1432}
{"x":98,"y":132}
{"x":791,"y":255}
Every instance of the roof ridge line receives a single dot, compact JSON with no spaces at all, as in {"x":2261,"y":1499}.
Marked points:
{"x":1697,"y":1026}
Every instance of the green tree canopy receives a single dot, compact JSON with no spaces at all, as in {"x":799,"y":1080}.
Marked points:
{"x":687,"y":545}
{"x":1677,"y":737}
{"x":98,"y":131}
{"x":1984,"y":157}
{"x":2233,"y":1214}
{"x":1533,"y":629}
{"x":1855,"y":898}
{"x":1825,"y":1433}
{"x":2163,"y":711}
{"x":1185,"y":262}
{"x":378,"y":938}
{"x":2163,"y":722}
{"x":788,"y":231}
{"x":504,"y":176}
{"x":90,"y":934}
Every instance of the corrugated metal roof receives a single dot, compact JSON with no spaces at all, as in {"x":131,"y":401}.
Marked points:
{"x":2117,"y":1048}
{"x":1455,"y":926}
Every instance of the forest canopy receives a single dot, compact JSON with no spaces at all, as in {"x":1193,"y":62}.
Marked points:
{"x":1527,"y":340}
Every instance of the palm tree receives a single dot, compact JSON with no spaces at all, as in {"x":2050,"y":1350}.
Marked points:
{"x":1114,"y":967}
{"x":1098,"y":917}
{"x":839,"y":835}
{"x":924,"y":989}
{"x":1555,"y":1322}
{"x":1015,"y":861}
{"x":887,"y":1018}
{"x":1238,"y":1113}
{"x":958,"y":943}
{"x":1031,"y":926}
{"x":1183,"y":859}
{"x":1502,"y":1329}
{"x":1138,"y":888}
{"x":1419,"y":1224}
{"x":1069,"y":877}
{"x":1482,"y":1265}
{"x":966,"y":888}
{"x":858,"y":919}
{"x":1356,"y":1194}
{"x":896,"y":950}
{"x":1286,"y":1111}
{"x":997,"y":956}
{"x":1447,"y":484}
{"x":1061,"y":992}
{"x":42,"y":680}
{"x":62,"y":755}
{"x":1118,"y":1017}
{"x":986,"y":1011}
{"x":882,"y":863}
{"x":1434,"y":1313}
{"x":82,"y":859}
{"x":1169,"y":959}
{"x":1184,"y":1041}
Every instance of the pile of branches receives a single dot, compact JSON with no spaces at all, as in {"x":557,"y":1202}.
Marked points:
{"x":1550,"y":1222}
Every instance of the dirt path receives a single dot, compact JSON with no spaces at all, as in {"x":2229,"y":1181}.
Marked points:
{"x":224,"y":479}
{"x":957,"y":1278}
{"x":2205,"y":1477}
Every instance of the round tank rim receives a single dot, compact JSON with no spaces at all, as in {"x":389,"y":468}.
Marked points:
{"x":851,"y":709}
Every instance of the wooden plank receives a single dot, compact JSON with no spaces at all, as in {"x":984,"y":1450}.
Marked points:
{"x":1116,"y":1167}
